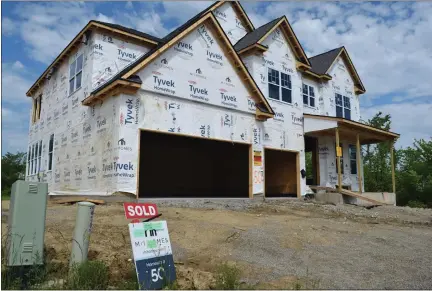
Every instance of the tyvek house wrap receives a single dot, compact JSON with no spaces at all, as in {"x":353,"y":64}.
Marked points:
{"x":230,"y":23}
{"x":341,"y":83}
{"x":86,"y":142}
{"x":184,"y":91}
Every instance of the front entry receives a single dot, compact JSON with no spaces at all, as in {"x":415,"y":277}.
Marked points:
{"x":311,"y":157}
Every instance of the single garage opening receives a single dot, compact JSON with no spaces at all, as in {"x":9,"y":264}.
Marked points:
{"x":175,"y":166}
{"x":280,"y":168}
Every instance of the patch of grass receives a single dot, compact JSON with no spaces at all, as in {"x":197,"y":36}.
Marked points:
{"x":416,"y":204}
{"x":90,"y":275}
{"x":227,"y":277}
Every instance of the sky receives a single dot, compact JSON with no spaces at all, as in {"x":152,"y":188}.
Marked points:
{"x":390,"y":44}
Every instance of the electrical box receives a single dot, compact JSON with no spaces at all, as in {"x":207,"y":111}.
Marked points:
{"x":27,"y":211}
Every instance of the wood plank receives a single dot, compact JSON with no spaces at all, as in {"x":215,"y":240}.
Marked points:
{"x":359,"y":172}
{"x":338,"y":161}
{"x":392,"y":167}
{"x":77,"y":199}
{"x":353,"y":194}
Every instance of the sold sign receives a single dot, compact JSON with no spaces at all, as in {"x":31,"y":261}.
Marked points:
{"x":140,"y":210}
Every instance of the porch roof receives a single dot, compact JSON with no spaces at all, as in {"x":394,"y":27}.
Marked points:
{"x":319,"y":125}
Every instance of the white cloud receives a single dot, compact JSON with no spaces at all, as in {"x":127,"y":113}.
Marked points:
{"x":18,"y":65}
{"x":392,"y":53}
{"x":15,"y":107}
{"x":8,"y":26}
{"x":14,"y":83}
{"x":412,"y":121}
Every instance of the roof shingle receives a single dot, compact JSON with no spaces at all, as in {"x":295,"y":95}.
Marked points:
{"x":254,"y":36}
{"x":322,"y":62}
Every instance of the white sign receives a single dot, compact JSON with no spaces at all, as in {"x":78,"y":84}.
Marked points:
{"x":150,"y":239}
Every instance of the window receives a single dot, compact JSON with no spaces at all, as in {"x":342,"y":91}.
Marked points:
{"x":343,"y":106}
{"x":308,"y":95}
{"x":37,"y":106}
{"x":353,"y":158}
{"x":341,"y":160}
{"x":75,"y":74}
{"x":50,"y":152}
{"x":34,"y":158}
{"x":29,"y":161}
{"x":279,"y":86}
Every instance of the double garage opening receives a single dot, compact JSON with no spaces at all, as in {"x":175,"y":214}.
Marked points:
{"x":178,"y":166}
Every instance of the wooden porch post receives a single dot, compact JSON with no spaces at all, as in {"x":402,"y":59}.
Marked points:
{"x":338,"y":161}
{"x":358,"y":158}
{"x":392,"y":166}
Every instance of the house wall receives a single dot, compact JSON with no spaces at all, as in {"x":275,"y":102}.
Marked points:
{"x":230,"y":22}
{"x":341,"y":83}
{"x":111,"y":53}
{"x":86,"y":141}
{"x":327,"y":164}
{"x":169,"y":103}
{"x":285,"y":130}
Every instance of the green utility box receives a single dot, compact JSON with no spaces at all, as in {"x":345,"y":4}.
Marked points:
{"x":27,"y":211}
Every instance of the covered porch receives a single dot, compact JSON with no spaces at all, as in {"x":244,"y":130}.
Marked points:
{"x":324,"y":136}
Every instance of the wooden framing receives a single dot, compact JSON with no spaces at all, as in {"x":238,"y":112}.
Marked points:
{"x":358,"y":88}
{"x":392,"y":167}
{"x":338,"y":161}
{"x":349,"y":127}
{"x":358,"y":158}
{"x":317,"y":163}
{"x":115,"y":88}
{"x":292,"y":40}
{"x":251,"y":160}
{"x":255,"y":48}
{"x":239,"y":9}
{"x":74,"y":44}
{"x":298,"y":178}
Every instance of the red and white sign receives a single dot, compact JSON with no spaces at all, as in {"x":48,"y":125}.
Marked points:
{"x":140,"y":210}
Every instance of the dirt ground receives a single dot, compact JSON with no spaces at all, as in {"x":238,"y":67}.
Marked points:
{"x":275,"y":243}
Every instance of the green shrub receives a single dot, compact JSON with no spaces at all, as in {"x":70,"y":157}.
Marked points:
{"x":90,"y":275}
{"x":416,"y":204}
{"x":227,"y":277}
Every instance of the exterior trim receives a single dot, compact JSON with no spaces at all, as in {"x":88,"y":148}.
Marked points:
{"x":291,"y":37}
{"x":355,"y":124}
{"x":74,"y":43}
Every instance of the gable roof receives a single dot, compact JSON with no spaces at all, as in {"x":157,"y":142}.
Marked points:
{"x":77,"y":39}
{"x":260,"y":34}
{"x":262,"y":104}
{"x":130,"y":30}
{"x":253,"y":37}
{"x":322,"y":63}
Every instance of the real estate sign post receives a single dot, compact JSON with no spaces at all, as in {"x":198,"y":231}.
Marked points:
{"x":152,"y":253}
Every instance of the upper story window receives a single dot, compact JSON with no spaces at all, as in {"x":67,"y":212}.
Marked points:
{"x":343,"y":106}
{"x":75,"y":74}
{"x":279,"y":86}
{"x":308,"y":95}
{"x":37,"y":106}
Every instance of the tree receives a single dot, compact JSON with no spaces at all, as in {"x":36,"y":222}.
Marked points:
{"x":414,"y":175}
{"x":413,"y":168}
{"x":13,"y":167}
{"x":377,"y":171}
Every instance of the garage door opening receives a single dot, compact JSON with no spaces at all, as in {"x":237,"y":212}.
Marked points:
{"x":175,"y":166}
{"x":281,"y":177}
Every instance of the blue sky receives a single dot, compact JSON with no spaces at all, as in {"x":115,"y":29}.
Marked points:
{"x":390,"y":44}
